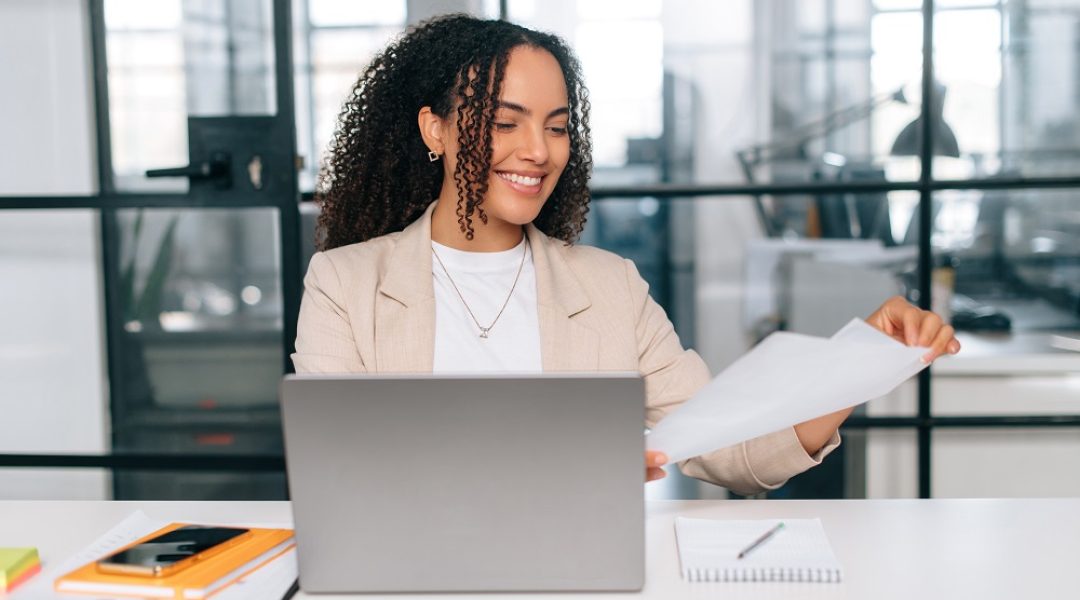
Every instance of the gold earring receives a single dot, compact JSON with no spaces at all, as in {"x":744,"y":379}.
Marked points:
{"x":432,"y":155}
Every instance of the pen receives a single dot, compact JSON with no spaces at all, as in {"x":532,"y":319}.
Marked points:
{"x":761,"y":540}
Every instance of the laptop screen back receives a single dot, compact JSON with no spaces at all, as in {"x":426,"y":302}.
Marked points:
{"x":494,"y":483}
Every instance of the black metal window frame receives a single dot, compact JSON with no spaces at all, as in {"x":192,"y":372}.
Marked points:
{"x":108,"y":199}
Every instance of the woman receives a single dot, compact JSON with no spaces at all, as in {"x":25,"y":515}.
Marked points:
{"x":455,"y":187}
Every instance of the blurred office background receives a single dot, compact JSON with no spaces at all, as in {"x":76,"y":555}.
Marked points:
{"x":761,"y":161}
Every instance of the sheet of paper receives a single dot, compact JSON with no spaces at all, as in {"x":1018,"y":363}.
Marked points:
{"x":271,"y":581}
{"x":786,"y":379}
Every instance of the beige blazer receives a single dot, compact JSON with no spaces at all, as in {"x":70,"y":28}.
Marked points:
{"x":370,"y":307}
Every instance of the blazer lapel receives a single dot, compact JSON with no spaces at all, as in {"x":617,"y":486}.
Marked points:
{"x":405,"y":304}
{"x":565,"y":343}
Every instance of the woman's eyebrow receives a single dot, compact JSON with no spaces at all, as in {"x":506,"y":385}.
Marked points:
{"x":525,"y":111}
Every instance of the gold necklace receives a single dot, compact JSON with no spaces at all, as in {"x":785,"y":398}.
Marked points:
{"x":484,"y":330}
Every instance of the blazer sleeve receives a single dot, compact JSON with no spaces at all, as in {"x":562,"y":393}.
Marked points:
{"x":324,"y":338}
{"x":673,"y":374}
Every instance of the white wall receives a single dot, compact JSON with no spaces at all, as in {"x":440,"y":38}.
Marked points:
{"x":46,"y":113}
{"x":53,"y":396}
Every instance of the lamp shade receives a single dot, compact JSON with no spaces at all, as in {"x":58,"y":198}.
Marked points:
{"x":909,"y":142}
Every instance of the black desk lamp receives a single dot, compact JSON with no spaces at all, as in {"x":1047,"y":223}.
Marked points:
{"x":909,"y":142}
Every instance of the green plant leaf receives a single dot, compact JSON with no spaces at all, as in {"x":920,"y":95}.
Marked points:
{"x":127,"y":274}
{"x":149,"y":304}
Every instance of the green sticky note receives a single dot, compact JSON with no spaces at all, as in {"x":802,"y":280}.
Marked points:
{"x":14,"y":563}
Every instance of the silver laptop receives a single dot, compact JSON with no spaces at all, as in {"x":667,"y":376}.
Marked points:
{"x":467,"y":483}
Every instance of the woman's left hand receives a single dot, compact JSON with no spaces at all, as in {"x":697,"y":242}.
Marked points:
{"x":906,"y":324}
{"x":912,"y":326}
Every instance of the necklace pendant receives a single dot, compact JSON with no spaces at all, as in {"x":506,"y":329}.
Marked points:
{"x":483,"y":332}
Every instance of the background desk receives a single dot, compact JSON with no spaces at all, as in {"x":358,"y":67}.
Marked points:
{"x":997,"y":375}
{"x":1014,"y":548}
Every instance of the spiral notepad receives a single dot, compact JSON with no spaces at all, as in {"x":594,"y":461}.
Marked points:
{"x":709,"y":550}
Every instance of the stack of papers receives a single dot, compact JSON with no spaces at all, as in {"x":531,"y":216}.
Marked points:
{"x":16,"y":566}
{"x":786,"y":379}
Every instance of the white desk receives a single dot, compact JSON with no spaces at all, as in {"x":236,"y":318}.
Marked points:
{"x":986,"y":549}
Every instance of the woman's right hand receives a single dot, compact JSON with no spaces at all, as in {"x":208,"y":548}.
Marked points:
{"x":654,"y":459}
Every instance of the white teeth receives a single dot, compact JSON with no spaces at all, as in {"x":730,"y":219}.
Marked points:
{"x":520,"y":179}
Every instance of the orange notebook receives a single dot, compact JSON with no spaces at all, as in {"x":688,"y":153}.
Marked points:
{"x":200,"y":580}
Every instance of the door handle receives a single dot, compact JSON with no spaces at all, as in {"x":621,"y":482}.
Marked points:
{"x":218,"y":169}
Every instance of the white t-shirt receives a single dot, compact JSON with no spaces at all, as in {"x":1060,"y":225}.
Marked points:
{"x":485,"y":280}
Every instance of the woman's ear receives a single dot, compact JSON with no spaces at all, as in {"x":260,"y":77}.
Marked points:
{"x":432,"y":129}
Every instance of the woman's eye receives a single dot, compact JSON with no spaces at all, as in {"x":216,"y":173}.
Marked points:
{"x":504,"y":126}
{"x":557,"y":130}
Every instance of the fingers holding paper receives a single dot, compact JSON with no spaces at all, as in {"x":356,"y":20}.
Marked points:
{"x":913,"y":326}
{"x":654,"y":459}
{"x":905,"y":323}
{"x":823,"y":378}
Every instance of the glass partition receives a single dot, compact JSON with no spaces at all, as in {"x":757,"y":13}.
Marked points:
{"x":777,"y":91}
{"x":201,"y":340}
{"x":53,"y":383}
{"x":1009,"y":261}
{"x":1010,"y":71}
{"x":333,"y":40}
{"x":780,"y":91}
{"x":175,"y":59}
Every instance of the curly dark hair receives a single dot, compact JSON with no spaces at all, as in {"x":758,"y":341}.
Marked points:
{"x":377,"y":177}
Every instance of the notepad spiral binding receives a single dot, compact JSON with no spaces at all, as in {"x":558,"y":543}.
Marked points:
{"x":765,"y":574}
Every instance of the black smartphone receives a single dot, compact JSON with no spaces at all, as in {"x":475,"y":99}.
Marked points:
{"x":170,"y":552}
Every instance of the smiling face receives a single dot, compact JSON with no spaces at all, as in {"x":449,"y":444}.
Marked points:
{"x":529,"y":141}
{"x":530,"y":147}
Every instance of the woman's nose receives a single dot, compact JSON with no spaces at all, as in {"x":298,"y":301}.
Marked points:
{"x":534,"y":146}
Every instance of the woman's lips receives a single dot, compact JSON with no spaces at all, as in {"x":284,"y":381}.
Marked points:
{"x":526,"y":184}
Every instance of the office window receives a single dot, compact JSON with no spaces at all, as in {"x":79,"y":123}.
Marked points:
{"x":333,"y":40}
{"x":621,"y":48}
{"x":146,"y":90}
{"x":830,"y":91}
{"x":53,"y":387}
{"x":1011,"y":257}
{"x":201,"y":338}
{"x":171,"y":60}
{"x":698,"y":93}
{"x":718,"y":92}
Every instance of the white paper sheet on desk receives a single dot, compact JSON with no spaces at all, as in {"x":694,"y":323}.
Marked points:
{"x":269,"y":581}
{"x":786,"y":379}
